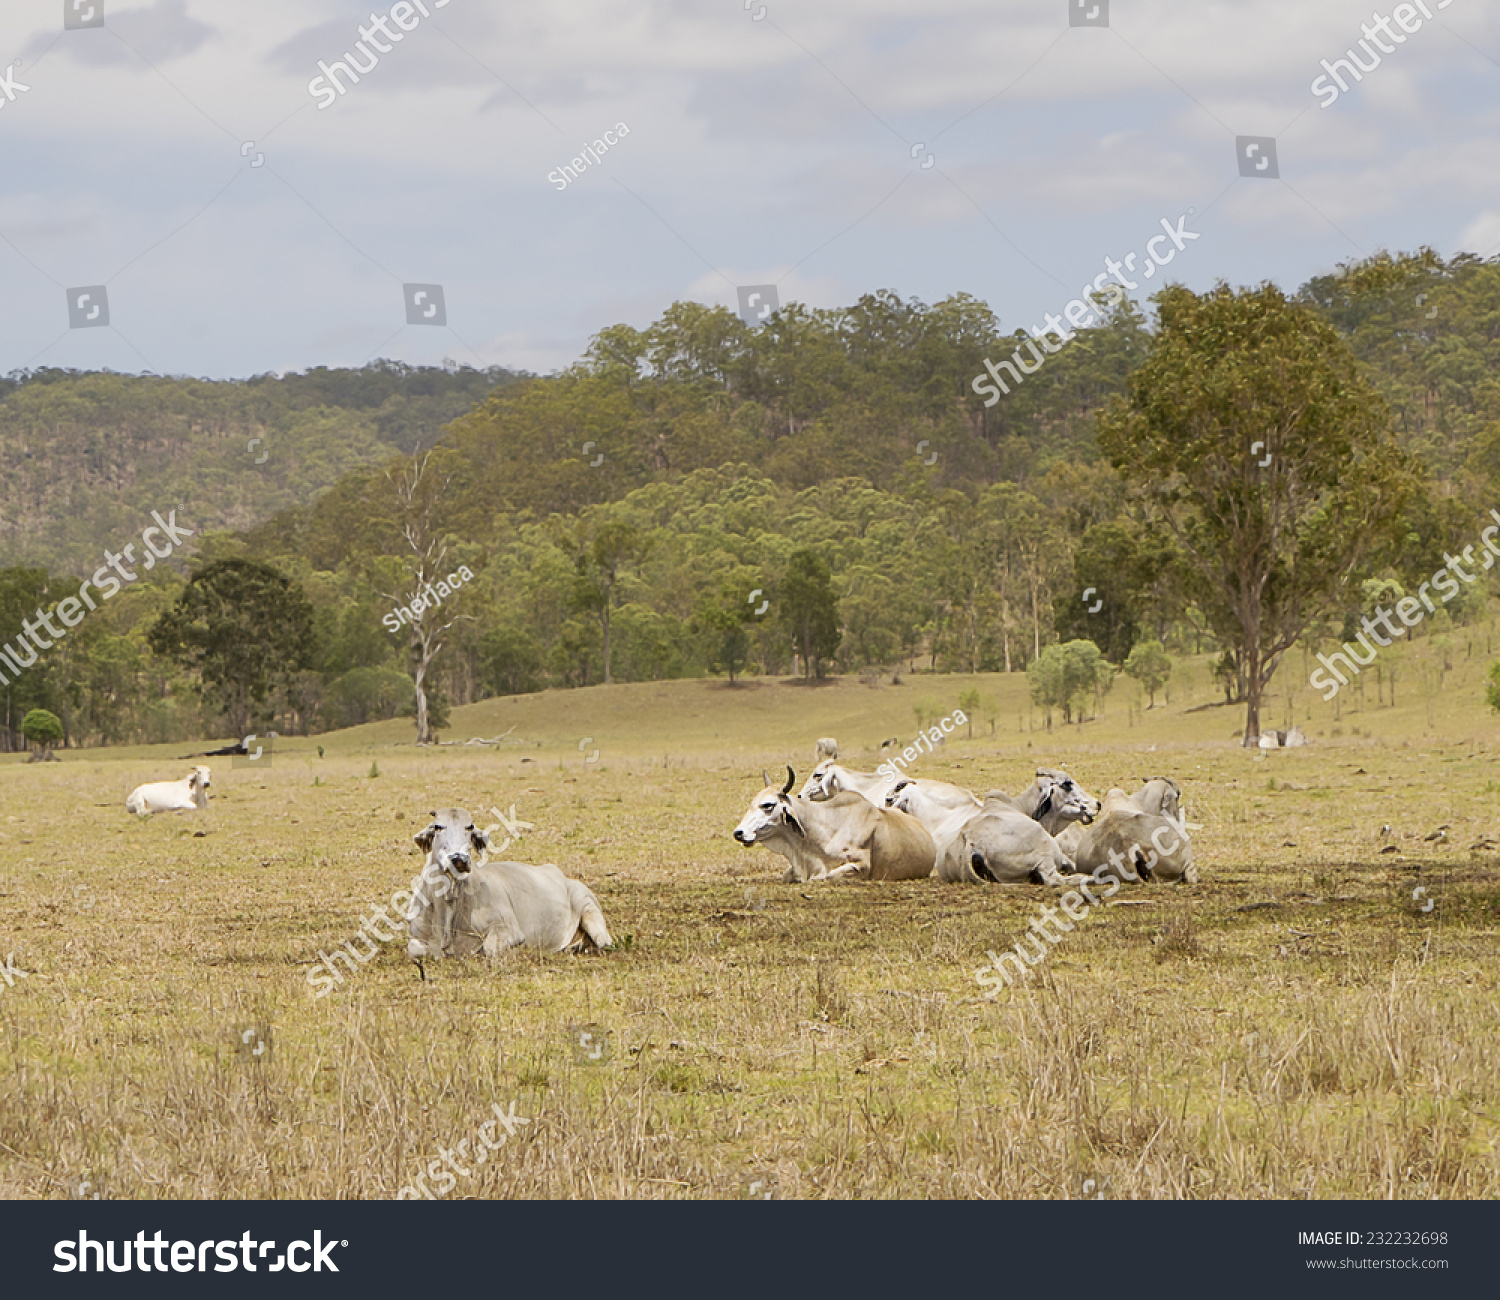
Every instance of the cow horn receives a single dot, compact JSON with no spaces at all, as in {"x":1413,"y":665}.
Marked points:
{"x":766,"y":776}
{"x":791,"y":778}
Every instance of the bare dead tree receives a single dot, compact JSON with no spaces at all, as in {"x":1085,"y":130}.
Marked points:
{"x":420,"y":488}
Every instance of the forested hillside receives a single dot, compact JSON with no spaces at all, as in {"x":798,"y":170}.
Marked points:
{"x":88,"y":456}
{"x":826,"y":493}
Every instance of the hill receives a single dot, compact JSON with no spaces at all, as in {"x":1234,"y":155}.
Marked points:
{"x":88,"y":456}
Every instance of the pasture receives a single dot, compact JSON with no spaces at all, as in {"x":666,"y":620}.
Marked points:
{"x":1295,"y":1025}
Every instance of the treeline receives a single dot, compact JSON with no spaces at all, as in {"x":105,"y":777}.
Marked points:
{"x":825,"y":493}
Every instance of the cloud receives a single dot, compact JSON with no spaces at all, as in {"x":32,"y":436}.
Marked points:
{"x":1482,"y":235}
{"x":781,"y":144}
{"x":161,"y":33}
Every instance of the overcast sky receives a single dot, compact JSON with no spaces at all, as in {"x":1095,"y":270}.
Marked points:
{"x":832,"y":149}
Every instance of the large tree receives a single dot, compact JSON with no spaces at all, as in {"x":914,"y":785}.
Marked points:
{"x":243,"y":628}
{"x":809,"y":610}
{"x":605,"y":548}
{"x":1250,"y":435}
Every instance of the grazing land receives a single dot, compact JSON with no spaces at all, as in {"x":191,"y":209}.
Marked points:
{"x":1299,"y":1024}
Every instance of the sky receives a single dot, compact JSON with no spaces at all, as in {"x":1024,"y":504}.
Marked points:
{"x":239,"y":221}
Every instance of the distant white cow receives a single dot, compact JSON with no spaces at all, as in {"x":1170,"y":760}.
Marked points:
{"x":459,"y":909}
{"x":828,"y":747}
{"x":186,"y":795}
{"x":840,"y":836}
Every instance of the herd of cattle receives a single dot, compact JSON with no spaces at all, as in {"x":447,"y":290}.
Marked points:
{"x":843,"y":823}
{"x":878,"y":826}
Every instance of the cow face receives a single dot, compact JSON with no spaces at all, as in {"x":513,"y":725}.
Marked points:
{"x":452,"y":840}
{"x":822,"y":783}
{"x":900,"y":796}
{"x":769,"y":811}
{"x":1061,"y":795}
{"x":198,"y":779}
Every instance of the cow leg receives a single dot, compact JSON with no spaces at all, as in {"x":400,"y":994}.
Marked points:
{"x":592,"y":924}
{"x":501,"y":938}
{"x":859,"y":865}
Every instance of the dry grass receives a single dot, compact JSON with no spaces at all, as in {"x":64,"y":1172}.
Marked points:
{"x":1295,"y":1025}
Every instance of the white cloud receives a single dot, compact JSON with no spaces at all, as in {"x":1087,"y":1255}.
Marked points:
{"x":1482,"y":235}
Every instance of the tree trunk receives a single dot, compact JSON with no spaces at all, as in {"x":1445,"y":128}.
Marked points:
{"x":1253,"y":689}
{"x":424,"y":731}
{"x":604,"y":623}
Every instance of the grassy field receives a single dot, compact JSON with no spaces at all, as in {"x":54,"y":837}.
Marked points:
{"x":1295,"y":1025}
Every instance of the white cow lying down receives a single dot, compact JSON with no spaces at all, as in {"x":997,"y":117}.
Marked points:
{"x":171,"y":796}
{"x":458,"y":909}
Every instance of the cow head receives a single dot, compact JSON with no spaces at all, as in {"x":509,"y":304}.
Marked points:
{"x":901,"y":795}
{"x":451,"y":839}
{"x":1163,"y":795}
{"x":770,"y":810}
{"x":1063,"y":798}
{"x":198,"y":779}
{"x":823,"y":782}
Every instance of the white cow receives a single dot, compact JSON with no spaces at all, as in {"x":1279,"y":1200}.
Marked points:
{"x":993,"y":841}
{"x":1054,"y":799}
{"x":186,"y":795}
{"x":840,"y":836}
{"x":827,"y":747}
{"x":932,"y":803}
{"x":459,"y":909}
{"x":1140,"y":836}
{"x":829,"y":778}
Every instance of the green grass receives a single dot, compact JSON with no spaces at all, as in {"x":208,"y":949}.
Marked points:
{"x":1294,"y":1025}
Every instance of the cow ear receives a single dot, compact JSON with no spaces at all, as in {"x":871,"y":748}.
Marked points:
{"x":1043,"y":808}
{"x":424,"y":838}
{"x":795,"y":825}
{"x":479,"y":839}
